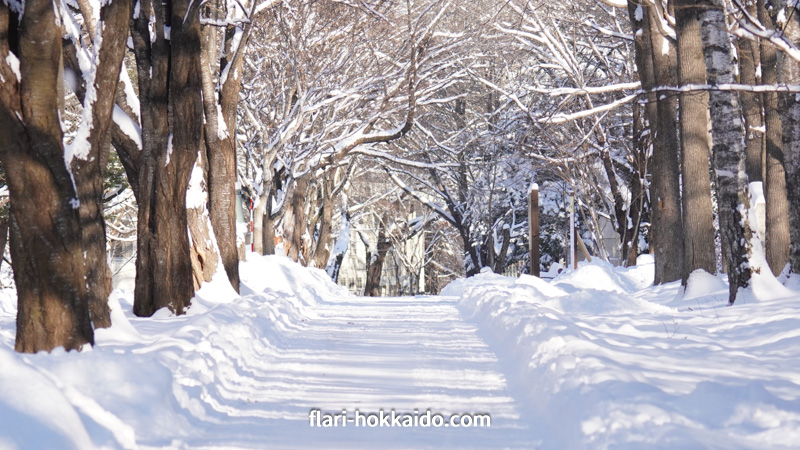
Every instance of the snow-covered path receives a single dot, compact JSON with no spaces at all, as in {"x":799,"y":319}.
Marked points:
{"x":245,"y":371}
{"x":597,"y":358}
{"x":403,"y":353}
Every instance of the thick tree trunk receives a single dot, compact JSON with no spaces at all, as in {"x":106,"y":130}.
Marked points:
{"x":307,"y":245}
{"x":728,"y":150}
{"x":203,"y":243}
{"x":49,"y":273}
{"x":221,"y":168}
{"x":698,"y":219}
{"x":790,"y":106}
{"x":170,"y":82}
{"x":231,"y":64}
{"x":89,"y":170}
{"x":665,"y":179}
{"x":749,"y":63}
{"x":777,"y":214}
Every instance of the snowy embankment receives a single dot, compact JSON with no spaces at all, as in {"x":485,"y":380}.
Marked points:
{"x":162,"y":381}
{"x":603,"y":359}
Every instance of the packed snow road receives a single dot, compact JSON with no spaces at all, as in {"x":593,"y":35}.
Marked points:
{"x":405,"y":354}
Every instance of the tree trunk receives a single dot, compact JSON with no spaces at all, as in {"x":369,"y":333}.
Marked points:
{"x":169,"y":82}
{"x":203,"y":243}
{"x":294,"y":222}
{"x":375,"y":262}
{"x":630,"y":248}
{"x":88,"y":170}
{"x":728,"y":150}
{"x":749,"y":62}
{"x":777,"y":214}
{"x":665,"y":179}
{"x":620,"y":214}
{"x":644,"y":66}
{"x":49,"y":273}
{"x":258,"y":225}
{"x":4,"y":219}
{"x":790,"y":106}
{"x":322,"y":249}
{"x":501,"y":258}
{"x":698,"y":218}
{"x":268,"y":230}
{"x":221,"y":168}
{"x":342,"y":244}
{"x":312,"y":215}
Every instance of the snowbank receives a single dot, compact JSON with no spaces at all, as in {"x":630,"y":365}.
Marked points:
{"x":594,"y":358}
{"x":606,"y":362}
{"x":151,"y":381}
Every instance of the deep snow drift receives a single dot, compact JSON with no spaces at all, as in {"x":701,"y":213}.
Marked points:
{"x":595,"y":358}
{"x":606,"y":360}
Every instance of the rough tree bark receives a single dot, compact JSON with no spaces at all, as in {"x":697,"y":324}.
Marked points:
{"x":698,"y":219}
{"x":644,"y":67}
{"x":376,"y":260}
{"x":294,"y":220}
{"x":203,"y":244}
{"x":218,"y":167}
{"x":665,"y":172}
{"x":729,"y":157}
{"x":777,"y":212}
{"x":88,"y":169}
{"x":220,"y":114}
{"x":172,"y":125}
{"x":790,"y":106}
{"x":749,"y":62}
{"x":49,"y":273}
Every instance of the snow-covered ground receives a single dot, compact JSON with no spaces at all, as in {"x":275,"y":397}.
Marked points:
{"x":596,"y":358}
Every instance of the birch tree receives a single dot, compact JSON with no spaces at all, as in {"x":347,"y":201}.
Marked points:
{"x":729,"y":156}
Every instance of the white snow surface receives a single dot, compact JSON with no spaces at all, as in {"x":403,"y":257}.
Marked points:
{"x":595,"y":358}
{"x":13,"y":64}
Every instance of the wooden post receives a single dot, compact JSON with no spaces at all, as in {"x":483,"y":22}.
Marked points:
{"x":573,"y":255}
{"x":490,"y":250}
{"x":533,"y":229}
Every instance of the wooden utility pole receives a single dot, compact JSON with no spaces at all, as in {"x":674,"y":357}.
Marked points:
{"x":533,"y":227}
